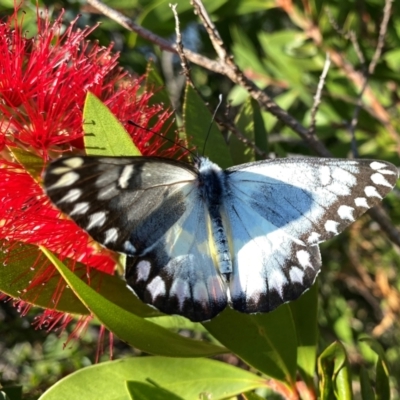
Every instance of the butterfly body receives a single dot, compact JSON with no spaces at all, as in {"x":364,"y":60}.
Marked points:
{"x":198,"y":237}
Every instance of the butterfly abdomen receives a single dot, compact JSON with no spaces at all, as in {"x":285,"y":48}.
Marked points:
{"x":211,"y":183}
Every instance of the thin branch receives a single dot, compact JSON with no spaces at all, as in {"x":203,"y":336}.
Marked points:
{"x":369,"y":72}
{"x":179,"y":46}
{"x":213,"y":34}
{"x":318,"y":94}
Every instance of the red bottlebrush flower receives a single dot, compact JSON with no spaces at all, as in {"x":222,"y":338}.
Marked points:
{"x":43,"y":84}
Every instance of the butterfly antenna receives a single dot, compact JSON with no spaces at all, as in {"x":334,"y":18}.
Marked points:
{"x":212,"y":120}
{"x":162,"y":136}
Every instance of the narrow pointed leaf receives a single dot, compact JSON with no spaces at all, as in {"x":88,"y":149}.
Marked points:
{"x":130,"y":328}
{"x":104,"y":134}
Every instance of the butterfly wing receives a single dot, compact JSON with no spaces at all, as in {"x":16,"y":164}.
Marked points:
{"x":147,"y":208}
{"x":277,"y":211}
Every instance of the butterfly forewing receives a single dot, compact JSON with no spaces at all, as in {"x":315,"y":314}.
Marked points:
{"x":120,"y":201}
{"x":294,"y":205}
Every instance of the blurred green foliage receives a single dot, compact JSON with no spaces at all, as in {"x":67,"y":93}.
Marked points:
{"x":283,"y":51}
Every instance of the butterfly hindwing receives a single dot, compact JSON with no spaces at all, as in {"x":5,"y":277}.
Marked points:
{"x":179,"y":276}
{"x":293,"y":204}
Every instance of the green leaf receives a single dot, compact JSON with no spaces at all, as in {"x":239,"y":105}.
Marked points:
{"x":267,"y":342}
{"x":16,"y":274}
{"x":333,"y":368}
{"x":197,"y":122}
{"x":11,"y":392}
{"x":144,"y":391}
{"x":32,"y":164}
{"x":304,"y":312}
{"x":187,"y":378}
{"x":241,"y":153}
{"x":156,"y":86}
{"x":382,"y":386}
{"x":367,"y":393}
{"x":104,"y":134}
{"x":130,"y":328}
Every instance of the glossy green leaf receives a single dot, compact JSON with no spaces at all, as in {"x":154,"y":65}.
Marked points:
{"x":32,"y":163}
{"x":187,"y":378}
{"x":267,"y":342}
{"x":104,"y":134}
{"x":382,"y":386}
{"x":367,"y":392}
{"x":144,"y":391}
{"x":251,"y":124}
{"x":130,"y":328}
{"x":304,"y":312}
{"x":242,"y":153}
{"x":156,"y":86}
{"x":197,"y":122}
{"x":11,"y":392}
{"x":16,"y":273}
{"x":334,"y":372}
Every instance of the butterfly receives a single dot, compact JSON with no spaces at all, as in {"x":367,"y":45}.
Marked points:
{"x":198,"y":238}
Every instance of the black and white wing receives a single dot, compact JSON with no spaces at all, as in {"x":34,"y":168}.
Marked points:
{"x":277,"y":211}
{"x":147,"y":208}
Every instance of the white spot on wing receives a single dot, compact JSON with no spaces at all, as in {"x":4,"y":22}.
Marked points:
{"x":313,"y":238}
{"x":180,"y":289}
{"x":125,"y":176}
{"x":331,"y":226}
{"x":325,"y":175}
{"x":346,"y":212}
{"x":379,"y":179}
{"x":71,"y":196}
{"x":111,"y":235}
{"x":276,"y":280}
{"x":74,"y":162}
{"x":303,"y":257}
{"x":371,"y":191}
{"x":143,"y":268}
{"x":156,"y":287}
{"x":129,"y":247}
{"x":96,"y":219}
{"x":377,"y":165}
{"x":361,"y":202}
{"x":80,"y":208}
{"x":387,"y":172}
{"x":200,"y":293}
{"x":60,"y":170}
{"x":66,"y":180}
{"x":296,"y":275}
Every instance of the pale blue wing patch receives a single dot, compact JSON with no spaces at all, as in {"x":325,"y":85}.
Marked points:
{"x":313,"y":198}
{"x":178,"y":275}
{"x":270,"y":267}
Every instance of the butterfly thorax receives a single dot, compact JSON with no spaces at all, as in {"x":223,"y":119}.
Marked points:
{"x":211,"y":184}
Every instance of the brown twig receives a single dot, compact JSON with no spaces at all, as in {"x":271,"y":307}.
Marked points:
{"x":179,"y":46}
{"x":369,"y":72}
{"x":318,"y":94}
